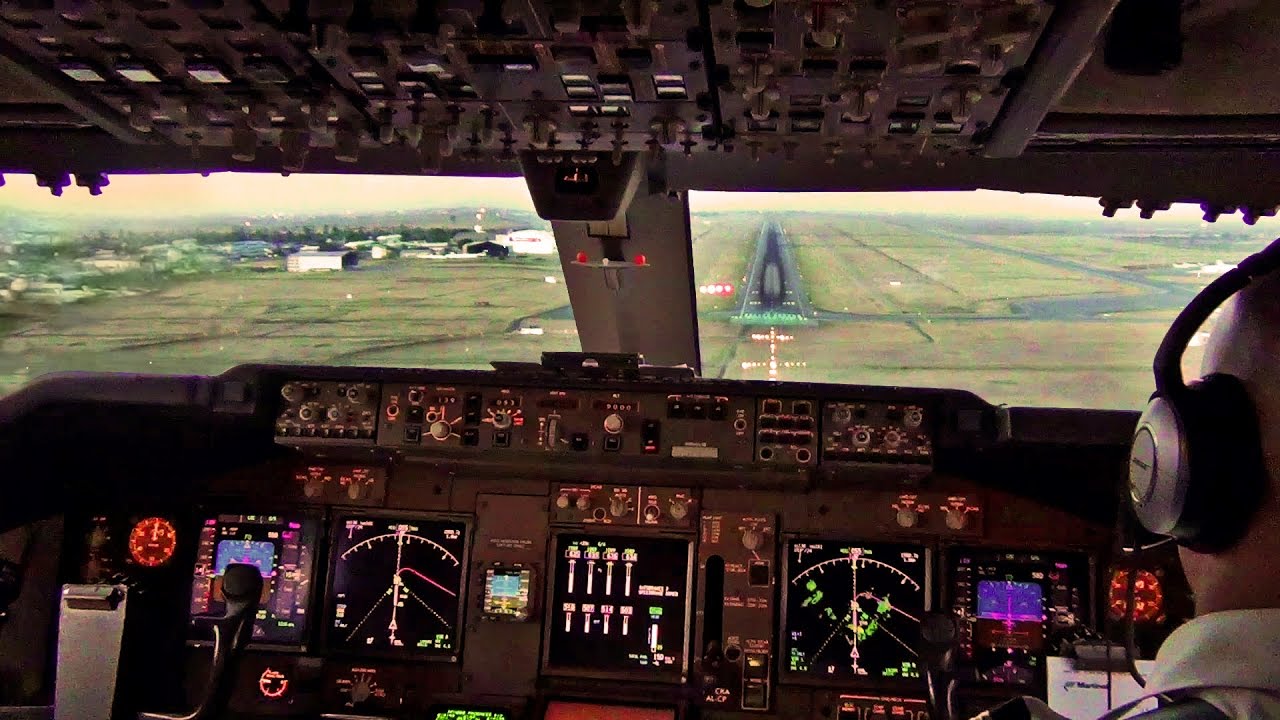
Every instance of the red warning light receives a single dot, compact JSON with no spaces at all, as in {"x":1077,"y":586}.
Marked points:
{"x":642,"y":260}
{"x":582,"y":256}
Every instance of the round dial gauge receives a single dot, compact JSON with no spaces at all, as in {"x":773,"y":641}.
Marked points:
{"x":1148,"y":596}
{"x":152,"y":542}
{"x":272,"y":683}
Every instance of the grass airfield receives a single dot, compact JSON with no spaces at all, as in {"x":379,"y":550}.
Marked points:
{"x":1021,"y":314}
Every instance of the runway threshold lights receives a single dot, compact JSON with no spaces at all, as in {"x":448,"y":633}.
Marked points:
{"x":718,"y":289}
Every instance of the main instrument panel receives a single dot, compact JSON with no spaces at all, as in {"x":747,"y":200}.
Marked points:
{"x":483,"y":546}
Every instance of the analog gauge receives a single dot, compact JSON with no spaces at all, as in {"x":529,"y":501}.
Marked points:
{"x":272,"y":683}
{"x":1148,"y":596}
{"x":152,"y":542}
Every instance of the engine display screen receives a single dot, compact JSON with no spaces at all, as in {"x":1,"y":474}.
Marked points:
{"x":282,"y":550}
{"x":620,"y":604}
{"x":396,"y":585}
{"x":853,"y":611}
{"x":1011,"y":606}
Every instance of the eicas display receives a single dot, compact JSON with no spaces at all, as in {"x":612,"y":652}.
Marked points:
{"x":396,"y":584}
{"x":853,"y":611}
{"x":281,"y":549}
{"x":619,"y":604}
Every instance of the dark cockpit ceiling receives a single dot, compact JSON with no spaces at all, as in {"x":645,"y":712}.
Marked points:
{"x":1156,"y":104}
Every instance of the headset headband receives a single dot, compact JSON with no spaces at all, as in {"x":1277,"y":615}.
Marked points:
{"x":1168,"y":362}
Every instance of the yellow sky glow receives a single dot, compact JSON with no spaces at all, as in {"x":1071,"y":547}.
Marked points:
{"x":259,"y":194}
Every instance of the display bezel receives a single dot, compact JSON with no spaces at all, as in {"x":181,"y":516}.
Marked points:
{"x":314,"y":538}
{"x":678,"y":675}
{"x":790,"y":677}
{"x":408,"y":654}
{"x":950,"y":555}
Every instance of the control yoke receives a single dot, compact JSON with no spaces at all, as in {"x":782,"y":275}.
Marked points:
{"x":242,"y":588}
{"x":938,"y":651}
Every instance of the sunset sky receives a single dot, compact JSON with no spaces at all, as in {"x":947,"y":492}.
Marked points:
{"x":258,"y":194}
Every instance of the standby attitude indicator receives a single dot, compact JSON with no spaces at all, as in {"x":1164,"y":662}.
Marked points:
{"x":853,"y":611}
{"x":396,"y":585}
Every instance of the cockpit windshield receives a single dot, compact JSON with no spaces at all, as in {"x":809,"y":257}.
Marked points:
{"x":1023,"y":299}
{"x":184,"y":274}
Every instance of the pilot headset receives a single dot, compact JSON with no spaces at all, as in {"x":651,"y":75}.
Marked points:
{"x":1196,"y":470}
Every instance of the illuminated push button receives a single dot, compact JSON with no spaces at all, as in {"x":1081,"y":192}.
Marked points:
{"x":908,"y":517}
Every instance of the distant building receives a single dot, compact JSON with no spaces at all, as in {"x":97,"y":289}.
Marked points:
{"x":389,"y":239}
{"x":310,"y":260}
{"x":487,"y":247}
{"x":377,"y":252}
{"x":530,"y":242}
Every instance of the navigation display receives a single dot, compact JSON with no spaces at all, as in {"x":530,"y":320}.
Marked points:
{"x":281,"y":548}
{"x":853,"y":611}
{"x":396,"y":585}
{"x":620,"y":605}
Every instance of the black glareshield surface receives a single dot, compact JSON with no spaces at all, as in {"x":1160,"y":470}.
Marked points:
{"x":853,"y":610}
{"x":283,"y":550}
{"x":396,"y":585}
{"x":619,"y":604}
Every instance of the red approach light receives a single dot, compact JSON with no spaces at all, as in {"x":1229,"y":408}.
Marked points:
{"x":582,"y":256}
{"x":728,"y":289}
{"x":642,"y":260}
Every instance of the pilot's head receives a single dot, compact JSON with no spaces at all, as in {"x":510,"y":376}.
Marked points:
{"x":1245,"y":343}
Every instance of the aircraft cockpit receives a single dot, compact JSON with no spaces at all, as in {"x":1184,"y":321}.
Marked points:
{"x":602,"y":359}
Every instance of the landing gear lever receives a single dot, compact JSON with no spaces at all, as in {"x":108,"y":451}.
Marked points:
{"x":938,"y":651}
{"x":242,"y":588}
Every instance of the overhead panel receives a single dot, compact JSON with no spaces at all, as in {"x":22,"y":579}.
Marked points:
{"x":481,"y":81}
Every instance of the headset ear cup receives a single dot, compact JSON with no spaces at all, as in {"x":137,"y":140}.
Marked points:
{"x":1226,"y":472}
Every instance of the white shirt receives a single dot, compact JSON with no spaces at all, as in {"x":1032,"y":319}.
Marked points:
{"x":1229,"y":659}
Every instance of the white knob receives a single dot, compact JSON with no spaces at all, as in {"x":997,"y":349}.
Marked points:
{"x":679,"y":509}
{"x":360,"y":691}
{"x":613,"y":424}
{"x":908,"y":517}
{"x":618,"y":506}
{"x":584,"y":503}
{"x":751,"y":539}
{"x":357,"y":491}
{"x":441,"y":430}
{"x":957,"y":519}
{"x":562,"y":502}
